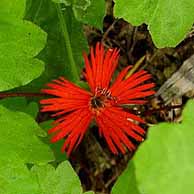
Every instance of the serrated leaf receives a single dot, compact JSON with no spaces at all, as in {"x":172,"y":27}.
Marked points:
{"x":14,"y":175}
{"x":168,"y":21}
{"x":126,"y":183}
{"x":61,"y":180}
{"x":164,"y":162}
{"x":20,"y":104}
{"x":20,"y":42}
{"x":90,"y":11}
{"x":18,"y":133}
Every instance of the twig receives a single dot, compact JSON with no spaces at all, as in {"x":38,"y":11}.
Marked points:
{"x":111,"y":27}
{"x":150,"y":112}
{"x":21,"y":94}
{"x":135,"y":67}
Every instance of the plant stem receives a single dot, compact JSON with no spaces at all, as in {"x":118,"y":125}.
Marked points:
{"x":21,"y":94}
{"x":37,"y":11}
{"x":75,"y":75}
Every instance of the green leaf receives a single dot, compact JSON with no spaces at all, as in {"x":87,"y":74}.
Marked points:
{"x":20,"y":104}
{"x":57,"y":181}
{"x":164,"y":162}
{"x":18,"y":132}
{"x":20,"y":42}
{"x":89,"y":192}
{"x":56,"y":147}
{"x":168,"y":21}
{"x":87,"y":11}
{"x":126,"y":183}
{"x":44,"y":14}
{"x":90,"y":11}
{"x":14,"y":175}
{"x":32,"y":109}
{"x":13,"y":8}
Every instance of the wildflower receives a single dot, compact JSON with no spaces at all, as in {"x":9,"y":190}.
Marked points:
{"x":77,"y":107}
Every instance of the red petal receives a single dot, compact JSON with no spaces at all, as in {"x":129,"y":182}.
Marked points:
{"x":73,"y":127}
{"x":69,"y":97}
{"x":89,"y":75}
{"x":115,"y":125}
{"x":119,"y":78}
{"x":132,"y":89}
{"x":100,"y":67}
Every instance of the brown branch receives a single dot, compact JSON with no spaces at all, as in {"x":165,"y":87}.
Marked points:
{"x":21,"y":94}
{"x":150,"y":112}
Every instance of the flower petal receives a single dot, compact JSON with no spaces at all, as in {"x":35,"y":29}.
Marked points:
{"x":77,"y":107}
{"x":132,"y":89}
{"x":116,"y":126}
{"x":73,"y":126}
{"x":100,"y":67}
{"x":69,"y":97}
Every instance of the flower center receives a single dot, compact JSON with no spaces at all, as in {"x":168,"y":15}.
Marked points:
{"x":97,"y":102}
{"x":101,"y":98}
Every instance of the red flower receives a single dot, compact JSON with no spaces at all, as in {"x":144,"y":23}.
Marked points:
{"x":78,"y":107}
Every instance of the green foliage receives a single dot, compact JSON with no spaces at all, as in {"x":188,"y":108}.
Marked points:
{"x":22,"y":141}
{"x":56,"y":147}
{"x":126,"y":184}
{"x":66,"y":2}
{"x":12,"y":9}
{"x":20,"y":42}
{"x":19,"y":145}
{"x":20,"y":104}
{"x":87,"y":11}
{"x":15,"y":178}
{"x":61,"y":180}
{"x":168,"y":21}
{"x":90,"y":11}
{"x":55,"y":55}
{"x":164,"y":162}
{"x":18,"y":133}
